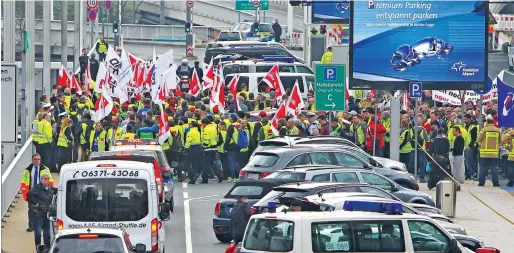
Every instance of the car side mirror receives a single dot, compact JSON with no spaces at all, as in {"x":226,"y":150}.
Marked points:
{"x":42,"y":248}
{"x":164,"y":212}
{"x":167,"y":175}
{"x":52,"y":212}
{"x":140,"y":248}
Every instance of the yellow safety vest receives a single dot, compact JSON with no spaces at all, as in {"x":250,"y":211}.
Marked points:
{"x":210,"y":136}
{"x":67,"y":102}
{"x":220,"y":147}
{"x":491,"y":144}
{"x":268,"y":133}
{"x":102,"y":48}
{"x":509,"y":136}
{"x":167,"y":143}
{"x":128,"y":136}
{"x":412,"y":133}
{"x":117,"y":134}
{"x":83,"y":134}
{"x":63,"y":140}
{"x":387,"y":125}
{"x":101,"y":140}
{"x":326,"y":58}
{"x":407,"y":148}
{"x":45,"y":131}
{"x":36,"y":136}
{"x":193,"y":138}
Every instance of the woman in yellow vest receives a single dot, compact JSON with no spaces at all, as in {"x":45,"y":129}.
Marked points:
{"x":97,"y":139}
{"x":65,"y":142}
{"x":194,"y":151}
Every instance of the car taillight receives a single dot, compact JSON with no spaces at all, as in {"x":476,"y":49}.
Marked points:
{"x":163,"y":169}
{"x":217,"y":208}
{"x":264,"y":174}
{"x":253,"y":210}
{"x":242,"y":174}
{"x":88,"y":236}
{"x":60,"y":225}
{"x":159,"y":186}
{"x":155,"y":235}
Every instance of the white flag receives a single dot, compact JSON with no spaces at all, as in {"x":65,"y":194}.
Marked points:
{"x":105,"y":104}
{"x":113,"y":62}
{"x":170,"y":76}
{"x":126,"y":73}
{"x":100,"y":77}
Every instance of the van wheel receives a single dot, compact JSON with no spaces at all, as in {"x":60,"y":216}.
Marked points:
{"x":223,"y":238}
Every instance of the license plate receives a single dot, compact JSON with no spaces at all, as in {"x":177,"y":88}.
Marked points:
{"x":253,"y":175}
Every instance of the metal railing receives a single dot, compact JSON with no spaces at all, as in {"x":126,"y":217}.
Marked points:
{"x":12,"y":176}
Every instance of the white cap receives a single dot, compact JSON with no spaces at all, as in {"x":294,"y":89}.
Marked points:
{"x":489,"y":117}
{"x":47,"y":105}
{"x":63,"y":114}
{"x":353,"y":113}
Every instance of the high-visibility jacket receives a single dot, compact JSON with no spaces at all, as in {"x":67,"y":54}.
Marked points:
{"x":168,"y":142}
{"x":293,"y":131}
{"x":235,"y":135}
{"x":508,"y":140}
{"x":36,"y":136}
{"x":83,"y":139}
{"x":45,"y":131}
{"x":63,"y":140}
{"x":117,"y":134}
{"x":489,"y":141}
{"x":26,"y":179}
{"x":210,"y":136}
{"x":184,"y":128}
{"x":268,"y":133}
{"x":67,"y":102}
{"x":247,"y":136}
{"x":326,"y":58}
{"x":128,"y":136}
{"x":414,"y":138}
{"x":223,"y":137}
{"x":404,"y":137}
{"x":101,"y":141}
{"x":102,"y":48}
{"x":358,"y":133}
{"x":465,"y":135}
{"x":193,"y":138}
{"x":387,"y":125}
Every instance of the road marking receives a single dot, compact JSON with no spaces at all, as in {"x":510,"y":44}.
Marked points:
{"x":187,"y":222}
{"x":186,"y":195}
{"x":184,"y":185}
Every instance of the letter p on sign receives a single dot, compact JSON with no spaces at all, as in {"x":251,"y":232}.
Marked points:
{"x":415,"y":89}
{"x":330,"y":74}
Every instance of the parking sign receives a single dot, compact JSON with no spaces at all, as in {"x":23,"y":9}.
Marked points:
{"x":415,"y":89}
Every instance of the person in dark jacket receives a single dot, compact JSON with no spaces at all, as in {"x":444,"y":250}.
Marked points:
{"x":40,"y":197}
{"x":93,"y":65}
{"x":230,"y":145}
{"x":199,"y":71}
{"x":439,"y":151}
{"x":277,"y":29}
{"x":239,"y":218}
{"x":83,"y":61}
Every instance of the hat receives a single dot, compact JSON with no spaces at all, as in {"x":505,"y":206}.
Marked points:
{"x":171,"y":107}
{"x":335,"y":119}
{"x":262,"y":114}
{"x":489,"y":117}
{"x":172,"y":101}
{"x":192,"y":109}
{"x":63,"y":114}
{"x":138,"y":97}
{"x":369,"y":110}
{"x":46,"y":106}
{"x":183,"y":118}
{"x":311,"y":114}
{"x":353,"y":113}
{"x":178,"y":93}
{"x":215,"y":109}
{"x":233,"y":116}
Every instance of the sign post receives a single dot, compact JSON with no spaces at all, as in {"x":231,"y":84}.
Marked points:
{"x":415,"y":91}
{"x":330,"y":90}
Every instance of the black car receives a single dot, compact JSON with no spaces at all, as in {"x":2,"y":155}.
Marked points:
{"x":254,"y":190}
{"x":251,"y":51}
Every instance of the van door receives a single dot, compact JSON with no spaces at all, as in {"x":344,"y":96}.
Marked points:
{"x":111,"y":197}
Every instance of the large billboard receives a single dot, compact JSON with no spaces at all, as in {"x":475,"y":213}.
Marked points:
{"x":440,"y":43}
{"x":330,"y":12}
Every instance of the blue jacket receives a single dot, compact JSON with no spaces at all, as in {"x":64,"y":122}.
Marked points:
{"x":143,"y":111}
{"x":152,"y":129}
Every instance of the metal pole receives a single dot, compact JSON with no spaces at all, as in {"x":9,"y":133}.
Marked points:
{"x":97,"y":26}
{"x":91,"y":35}
{"x":76,"y":36}
{"x":306,"y":36}
{"x":100,"y":14}
{"x":375,"y":130}
{"x":47,"y":86}
{"x":29,"y":66}
{"x":82,"y":28}
{"x":9,"y":32}
{"x":162,"y":19}
{"x":120,"y":37}
{"x":64,"y":32}
{"x":394,"y":148}
{"x":189,"y":36}
{"x":416,"y":131}
{"x":290,"y":11}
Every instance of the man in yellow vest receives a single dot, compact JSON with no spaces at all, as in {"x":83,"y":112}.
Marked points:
{"x":129,"y":134}
{"x":101,"y":48}
{"x":65,"y":142}
{"x":489,"y":144}
{"x":327,"y":56}
{"x":508,"y":143}
{"x":470,"y":152}
{"x":98,"y":139}
{"x":36,"y":137}
{"x":233,"y":151}
{"x":194,"y":150}
{"x":46,"y":138}
{"x":405,"y":144}
{"x":114,"y":133}
{"x":210,"y":142}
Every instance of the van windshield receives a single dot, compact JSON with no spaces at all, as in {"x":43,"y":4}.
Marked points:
{"x":269,"y":235}
{"x":113,"y":199}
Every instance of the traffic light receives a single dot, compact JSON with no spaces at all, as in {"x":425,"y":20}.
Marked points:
{"x":188,"y":27}
{"x":295,"y":3}
{"x":115,"y":28}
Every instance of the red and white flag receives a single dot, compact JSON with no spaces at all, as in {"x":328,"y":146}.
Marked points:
{"x":280,"y":114}
{"x":75,"y":84}
{"x":162,"y":94}
{"x":88,"y":79}
{"x":194,"y":85}
{"x":104,"y":104}
{"x":272,"y":79}
{"x":233,"y":86}
{"x":208,"y":78}
{"x":164,"y":132}
{"x":295,"y":103}
{"x":217,"y":83}
{"x":64,"y":77}
{"x":220,"y":97}
{"x":101,"y":77}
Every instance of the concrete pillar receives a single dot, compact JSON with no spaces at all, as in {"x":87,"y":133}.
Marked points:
{"x":47,"y":85}
{"x":162,"y":20}
{"x":8,"y":32}
{"x":395,"y":128}
{"x":76,"y":36}
{"x":29,"y":67}
{"x":64,"y":32}
{"x":290,"y":11}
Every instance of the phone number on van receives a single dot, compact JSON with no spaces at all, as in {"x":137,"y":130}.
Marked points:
{"x":104,"y":173}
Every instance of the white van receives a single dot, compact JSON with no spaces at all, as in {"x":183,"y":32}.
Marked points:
{"x":112,"y":193}
{"x":255,"y":86}
{"x":350,"y":230}
{"x":285,"y":65}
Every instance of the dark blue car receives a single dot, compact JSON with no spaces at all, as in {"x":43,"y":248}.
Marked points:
{"x":254,"y":190}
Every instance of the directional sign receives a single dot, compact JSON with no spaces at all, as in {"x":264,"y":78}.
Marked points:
{"x":330,"y":90}
{"x":247,"y":5}
{"x":256,"y":4}
{"x":108,"y":4}
{"x":92,"y":4}
{"x":92,"y":15}
{"x":190,"y":4}
{"x":415,"y":89}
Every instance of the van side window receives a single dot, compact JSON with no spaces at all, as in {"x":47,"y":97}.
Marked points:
{"x":426,"y":237}
{"x":269,"y":235}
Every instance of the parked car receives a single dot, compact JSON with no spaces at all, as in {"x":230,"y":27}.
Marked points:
{"x":231,"y":36}
{"x":265,"y":162}
{"x":263,"y":33}
{"x":331,"y":173}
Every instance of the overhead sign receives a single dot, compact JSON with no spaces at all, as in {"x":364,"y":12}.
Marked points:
{"x":440,"y":43}
{"x":415,"y":89}
{"x":327,"y":12}
{"x":190,"y":4}
{"x":108,"y":4}
{"x":92,"y":4}
{"x":9,"y":104}
{"x":248,"y":5}
{"x":92,"y":15}
{"x":330,"y":89}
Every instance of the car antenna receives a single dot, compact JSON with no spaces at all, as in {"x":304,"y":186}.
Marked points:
{"x":321,"y":196}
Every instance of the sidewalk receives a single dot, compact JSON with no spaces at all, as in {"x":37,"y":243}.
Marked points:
{"x":478,"y":219}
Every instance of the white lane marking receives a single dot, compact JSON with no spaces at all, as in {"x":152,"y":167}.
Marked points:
{"x":184,"y":185}
{"x":186,"y":195}
{"x":187,"y":223}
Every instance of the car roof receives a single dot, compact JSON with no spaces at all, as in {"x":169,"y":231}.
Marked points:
{"x":282,"y":149}
{"x":251,"y":62}
{"x":337,"y":197}
{"x":323,"y":168}
{"x":262,"y":74}
{"x":336,"y":215}
{"x":90,"y":230}
{"x":268,"y":181}
{"x":242,"y":43}
{"x":138,"y":148}
{"x":310,"y":185}
{"x":94,"y":164}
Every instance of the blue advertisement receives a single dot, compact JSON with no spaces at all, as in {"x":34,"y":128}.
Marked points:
{"x":330,"y":12}
{"x":440,"y":43}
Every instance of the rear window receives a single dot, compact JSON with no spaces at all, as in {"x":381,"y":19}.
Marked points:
{"x":137,"y":158}
{"x":103,"y":243}
{"x":281,"y":69}
{"x":288,"y":175}
{"x":269,"y":235}
{"x":272,"y":144}
{"x":229,"y":36}
{"x":263,"y":160}
{"x":275,"y":195}
{"x":250,"y":191}
{"x":265,"y":28}
{"x":234,"y":69}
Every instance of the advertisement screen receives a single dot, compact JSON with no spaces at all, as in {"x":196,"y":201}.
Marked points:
{"x":330,"y":12}
{"x":440,"y":43}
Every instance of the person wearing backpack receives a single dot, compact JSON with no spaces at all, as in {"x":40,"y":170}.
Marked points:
{"x":176,"y":148}
{"x":82,"y":107}
{"x":210,"y":141}
{"x":233,"y":148}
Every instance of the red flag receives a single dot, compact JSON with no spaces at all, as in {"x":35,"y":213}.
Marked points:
{"x":75,"y":84}
{"x":163,"y":93}
{"x":194,"y":85}
{"x":148,"y":80}
{"x":233,"y":85}
{"x":280,"y":114}
{"x":208,"y":79}
{"x":221,"y":98}
{"x":164,"y":132}
{"x":64,"y":78}
{"x":272,"y":78}
{"x":295,"y":103}
{"x":104,"y":104}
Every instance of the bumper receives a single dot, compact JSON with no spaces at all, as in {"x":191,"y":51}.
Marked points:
{"x":221,"y":225}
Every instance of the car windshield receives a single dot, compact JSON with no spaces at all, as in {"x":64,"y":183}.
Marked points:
{"x":233,"y":36}
{"x":234,"y":69}
{"x":265,"y":28}
{"x":104,"y":244}
{"x":263,"y":160}
{"x":137,"y":158}
{"x":269,"y":235}
{"x":112,"y":199}
{"x":288,"y":175}
{"x":250,"y":191}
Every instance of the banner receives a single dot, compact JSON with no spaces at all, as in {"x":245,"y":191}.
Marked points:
{"x":446,"y":96}
{"x":493,"y":93}
{"x":126,"y":73}
{"x":505,"y":104}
